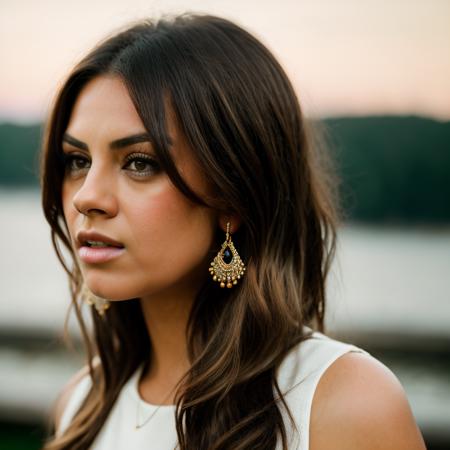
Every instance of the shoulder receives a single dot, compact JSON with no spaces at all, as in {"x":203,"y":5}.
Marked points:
{"x":360,"y":404}
{"x":302,"y":368}
{"x":66,"y":394}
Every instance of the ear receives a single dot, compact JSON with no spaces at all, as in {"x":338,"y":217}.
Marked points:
{"x":235,"y":222}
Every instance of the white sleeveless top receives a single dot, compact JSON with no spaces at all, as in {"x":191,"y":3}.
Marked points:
{"x":298,"y":377}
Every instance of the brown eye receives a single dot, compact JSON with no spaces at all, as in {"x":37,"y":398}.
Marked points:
{"x":141,"y":165}
{"x":75,"y":163}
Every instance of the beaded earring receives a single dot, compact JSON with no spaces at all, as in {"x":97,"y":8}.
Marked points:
{"x":227,"y":267}
{"x":101,"y":304}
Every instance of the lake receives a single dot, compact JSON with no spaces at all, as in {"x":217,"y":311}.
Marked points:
{"x":382,"y":279}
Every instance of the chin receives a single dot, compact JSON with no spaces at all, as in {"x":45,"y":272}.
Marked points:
{"x":109,"y":291}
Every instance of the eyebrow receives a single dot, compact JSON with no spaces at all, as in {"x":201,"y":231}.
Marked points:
{"x":113,"y":145}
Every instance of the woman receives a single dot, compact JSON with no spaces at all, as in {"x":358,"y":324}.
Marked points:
{"x":178,"y":172}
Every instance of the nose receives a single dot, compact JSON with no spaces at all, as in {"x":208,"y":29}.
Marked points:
{"x":96,"y":194}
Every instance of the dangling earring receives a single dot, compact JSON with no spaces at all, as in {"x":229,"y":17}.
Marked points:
{"x":227,"y":267}
{"x":101,"y":304}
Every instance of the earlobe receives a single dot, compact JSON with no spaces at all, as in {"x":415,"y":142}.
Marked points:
{"x":234,"y":219}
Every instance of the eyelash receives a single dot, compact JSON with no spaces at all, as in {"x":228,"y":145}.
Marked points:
{"x":69,"y":158}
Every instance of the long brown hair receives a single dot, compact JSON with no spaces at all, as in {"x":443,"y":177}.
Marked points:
{"x":242,"y":121}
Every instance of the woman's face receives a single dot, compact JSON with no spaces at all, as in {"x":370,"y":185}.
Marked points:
{"x":115,"y":187}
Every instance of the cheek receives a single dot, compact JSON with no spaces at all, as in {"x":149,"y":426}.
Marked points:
{"x":68,"y":209}
{"x":171,"y":234}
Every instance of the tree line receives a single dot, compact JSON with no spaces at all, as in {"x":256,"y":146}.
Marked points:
{"x":391,"y":169}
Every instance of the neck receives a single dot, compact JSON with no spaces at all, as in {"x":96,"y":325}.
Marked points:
{"x":166,"y":317}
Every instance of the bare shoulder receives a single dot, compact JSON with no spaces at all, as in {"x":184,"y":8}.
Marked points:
{"x":360,"y":404}
{"x":65,"y":394}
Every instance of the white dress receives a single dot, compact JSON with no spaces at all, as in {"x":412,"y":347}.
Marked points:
{"x":298,"y":377}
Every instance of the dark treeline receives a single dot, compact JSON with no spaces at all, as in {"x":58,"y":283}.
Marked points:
{"x":392,"y":169}
{"x":19,"y":149}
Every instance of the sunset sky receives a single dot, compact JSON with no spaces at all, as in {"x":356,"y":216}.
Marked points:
{"x":344,"y":57}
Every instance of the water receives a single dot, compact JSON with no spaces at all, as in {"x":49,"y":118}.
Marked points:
{"x":387,"y":280}
{"x":382,"y":280}
{"x":33,"y":287}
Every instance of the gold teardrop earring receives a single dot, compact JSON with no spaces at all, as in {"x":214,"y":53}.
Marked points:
{"x":227,"y":267}
{"x":101,"y":304}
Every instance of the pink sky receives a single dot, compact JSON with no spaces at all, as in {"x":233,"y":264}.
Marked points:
{"x":344,"y":57}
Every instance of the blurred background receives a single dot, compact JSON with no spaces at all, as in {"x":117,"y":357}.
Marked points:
{"x":373,"y":74}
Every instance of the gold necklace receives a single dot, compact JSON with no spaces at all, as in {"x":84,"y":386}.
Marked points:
{"x":140,"y":425}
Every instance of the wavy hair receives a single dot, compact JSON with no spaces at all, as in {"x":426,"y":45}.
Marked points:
{"x":242,"y":121}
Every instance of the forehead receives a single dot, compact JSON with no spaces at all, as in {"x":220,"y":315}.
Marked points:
{"x":105,"y":107}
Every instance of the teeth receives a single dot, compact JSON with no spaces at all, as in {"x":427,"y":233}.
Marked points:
{"x":97,"y":244}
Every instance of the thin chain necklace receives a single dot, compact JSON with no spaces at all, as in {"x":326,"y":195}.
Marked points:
{"x":138,"y":410}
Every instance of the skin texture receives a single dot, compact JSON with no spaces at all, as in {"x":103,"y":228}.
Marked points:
{"x":167,"y":238}
{"x":360,"y":405}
